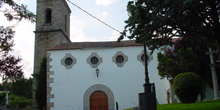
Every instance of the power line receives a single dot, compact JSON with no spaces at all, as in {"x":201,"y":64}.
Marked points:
{"x":93,"y":16}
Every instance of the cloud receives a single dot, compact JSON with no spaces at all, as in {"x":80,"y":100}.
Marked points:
{"x":103,"y":15}
{"x":24,"y":41}
{"x":24,"y":46}
{"x":104,"y":2}
{"x":77,"y":33}
{"x":115,"y":36}
{"x":26,"y":62}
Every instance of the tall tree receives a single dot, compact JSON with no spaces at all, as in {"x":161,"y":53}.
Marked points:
{"x":9,"y":65}
{"x":41,"y":96}
{"x":156,"y":22}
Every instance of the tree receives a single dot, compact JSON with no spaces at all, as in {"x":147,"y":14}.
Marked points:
{"x":21,"y":88}
{"x":167,"y":67}
{"x":9,"y":65}
{"x":17,"y":12}
{"x":41,"y":85}
{"x":156,"y":22}
{"x":184,"y":61}
{"x":196,"y":61}
{"x":20,"y":93}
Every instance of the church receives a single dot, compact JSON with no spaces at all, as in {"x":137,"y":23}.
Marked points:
{"x":82,"y":74}
{"x":90,"y":75}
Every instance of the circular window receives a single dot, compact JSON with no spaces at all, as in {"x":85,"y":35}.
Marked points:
{"x":119,"y":59}
{"x":68,"y":61}
{"x":142,"y":57}
{"x":94,"y":60}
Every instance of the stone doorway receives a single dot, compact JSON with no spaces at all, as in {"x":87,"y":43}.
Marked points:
{"x":98,"y":87}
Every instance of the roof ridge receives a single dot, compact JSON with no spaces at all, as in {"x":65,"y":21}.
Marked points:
{"x":102,"y":44}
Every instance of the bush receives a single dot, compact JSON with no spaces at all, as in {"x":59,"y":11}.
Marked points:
{"x":2,"y":98}
{"x":21,"y":87}
{"x":187,"y":87}
{"x":18,"y":102}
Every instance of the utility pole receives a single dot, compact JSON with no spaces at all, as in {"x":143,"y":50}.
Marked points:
{"x":214,"y":76}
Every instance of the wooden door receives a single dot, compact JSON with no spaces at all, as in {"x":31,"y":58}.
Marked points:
{"x":98,"y":101}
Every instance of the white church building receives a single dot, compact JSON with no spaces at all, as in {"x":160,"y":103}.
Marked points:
{"x":86,"y":74}
{"x":90,"y":75}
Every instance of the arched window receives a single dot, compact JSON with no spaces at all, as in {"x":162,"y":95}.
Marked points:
{"x":48,"y":15}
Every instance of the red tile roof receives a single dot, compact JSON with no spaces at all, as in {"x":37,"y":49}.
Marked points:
{"x":84,"y":45}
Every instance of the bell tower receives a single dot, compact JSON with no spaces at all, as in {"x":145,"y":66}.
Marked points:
{"x":52,"y":29}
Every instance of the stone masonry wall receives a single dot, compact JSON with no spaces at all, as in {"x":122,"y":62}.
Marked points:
{"x":50,"y":34}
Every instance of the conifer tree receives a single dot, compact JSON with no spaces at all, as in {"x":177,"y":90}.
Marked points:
{"x":41,"y":85}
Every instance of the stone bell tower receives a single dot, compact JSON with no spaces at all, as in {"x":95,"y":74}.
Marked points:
{"x":52,"y":28}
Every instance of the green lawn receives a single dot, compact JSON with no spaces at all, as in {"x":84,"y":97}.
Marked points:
{"x":207,"y":105}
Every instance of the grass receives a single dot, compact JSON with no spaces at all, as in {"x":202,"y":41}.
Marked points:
{"x":205,"y":105}
{"x":208,"y":105}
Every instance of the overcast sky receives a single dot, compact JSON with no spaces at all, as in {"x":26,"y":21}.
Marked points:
{"x":83,"y":27}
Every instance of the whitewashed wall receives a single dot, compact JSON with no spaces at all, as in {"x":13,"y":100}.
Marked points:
{"x":125,"y":82}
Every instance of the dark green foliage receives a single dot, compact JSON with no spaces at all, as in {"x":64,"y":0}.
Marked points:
{"x":188,"y":60}
{"x":155,"y":22}
{"x":20,"y":93}
{"x":187,"y":87}
{"x":18,"y":102}
{"x":2,"y":98}
{"x":14,"y":101}
{"x":41,"y":85}
{"x":196,"y":56}
{"x":167,"y":67}
{"x":22,"y":88}
{"x":184,"y":61}
{"x":200,"y":49}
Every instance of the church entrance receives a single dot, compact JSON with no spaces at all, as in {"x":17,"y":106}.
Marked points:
{"x":98,"y":101}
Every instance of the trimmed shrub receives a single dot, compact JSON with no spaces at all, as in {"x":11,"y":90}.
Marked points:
{"x":187,"y":87}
